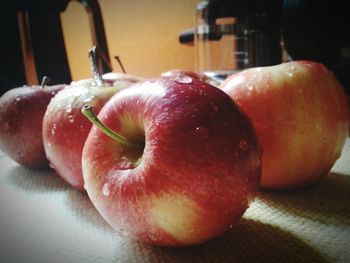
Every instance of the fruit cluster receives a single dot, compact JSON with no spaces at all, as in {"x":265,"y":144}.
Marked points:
{"x":174,"y":160}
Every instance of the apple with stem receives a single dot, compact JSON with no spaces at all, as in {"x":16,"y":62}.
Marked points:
{"x":300,"y":113}
{"x":22,"y":111}
{"x":171,"y":161}
{"x":65,"y":128}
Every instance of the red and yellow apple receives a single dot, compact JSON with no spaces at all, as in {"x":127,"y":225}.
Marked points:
{"x":184,"y":167}
{"x":300,"y":113}
{"x":22,"y":111}
{"x":65,"y":128}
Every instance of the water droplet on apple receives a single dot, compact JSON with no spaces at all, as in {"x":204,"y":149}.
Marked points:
{"x":53,"y":129}
{"x":105,"y":189}
{"x":244,"y":145}
{"x":202,"y":132}
{"x":18,"y":98}
{"x":153,"y":236}
{"x":51,"y":165}
{"x":250,"y":87}
{"x":183,"y":79}
{"x":89,"y":99}
{"x":71,"y":118}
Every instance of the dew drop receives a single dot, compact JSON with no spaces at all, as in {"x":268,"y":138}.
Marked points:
{"x":183,"y":79}
{"x":105,"y":189}
{"x":202,"y":132}
{"x":89,"y":99}
{"x":244,"y":145}
{"x":153,"y":236}
{"x":53,"y":130}
{"x":250,"y":87}
{"x":18,"y":98}
{"x":71,"y":118}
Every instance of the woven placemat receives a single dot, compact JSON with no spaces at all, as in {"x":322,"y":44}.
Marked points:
{"x":42,"y":219}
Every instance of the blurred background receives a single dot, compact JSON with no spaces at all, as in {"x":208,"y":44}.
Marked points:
{"x":214,"y":37}
{"x":143,"y":33}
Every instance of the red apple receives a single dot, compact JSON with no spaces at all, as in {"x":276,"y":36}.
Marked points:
{"x":300,"y":114}
{"x":21,"y":114}
{"x":65,"y":128}
{"x":186,"y":167}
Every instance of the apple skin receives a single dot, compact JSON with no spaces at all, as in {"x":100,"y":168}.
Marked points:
{"x":22,"y":111}
{"x":300,"y":113}
{"x":65,"y":128}
{"x":196,"y":175}
{"x":115,"y":77}
{"x":192,"y":74}
{"x":177,"y":72}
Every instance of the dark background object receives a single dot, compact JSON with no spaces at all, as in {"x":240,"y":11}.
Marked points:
{"x":311,"y":30}
{"x":32,"y":44}
{"x":319,"y":30}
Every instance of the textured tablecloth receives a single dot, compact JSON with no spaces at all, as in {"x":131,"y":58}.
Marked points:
{"x":42,"y":219}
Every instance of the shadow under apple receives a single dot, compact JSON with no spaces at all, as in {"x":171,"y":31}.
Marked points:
{"x":248,"y":241}
{"x":327,"y":201}
{"x":79,"y":204}
{"x":35,"y":180}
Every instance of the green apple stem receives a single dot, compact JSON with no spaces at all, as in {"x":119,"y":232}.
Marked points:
{"x":44,"y":81}
{"x":88,"y":112}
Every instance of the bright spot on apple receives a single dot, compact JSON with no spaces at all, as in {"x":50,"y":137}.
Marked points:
{"x":175,"y":214}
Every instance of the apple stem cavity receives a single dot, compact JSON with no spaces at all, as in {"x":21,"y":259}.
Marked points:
{"x":97,"y":77}
{"x":44,"y":81}
{"x":89,"y":113}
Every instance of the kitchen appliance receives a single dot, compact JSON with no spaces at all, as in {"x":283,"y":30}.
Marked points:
{"x":231,"y":35}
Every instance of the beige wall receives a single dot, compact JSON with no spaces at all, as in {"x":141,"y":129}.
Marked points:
{"x":143,"y":33}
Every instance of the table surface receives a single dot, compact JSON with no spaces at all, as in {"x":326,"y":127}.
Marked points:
{"x":42,"y":219}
